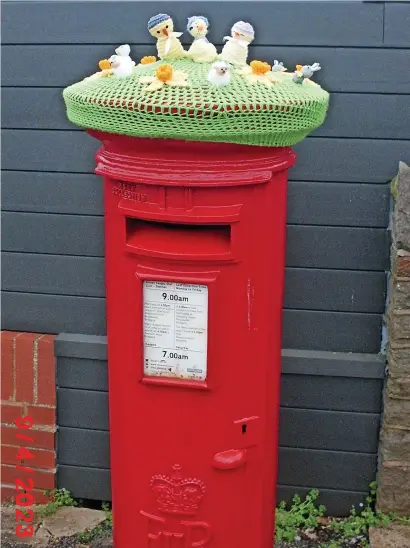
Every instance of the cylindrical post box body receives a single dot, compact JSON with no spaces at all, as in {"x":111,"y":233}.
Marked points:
{"x":195,"y":248}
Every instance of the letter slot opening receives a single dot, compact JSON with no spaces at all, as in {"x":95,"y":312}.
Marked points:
{"x":178,"y":240}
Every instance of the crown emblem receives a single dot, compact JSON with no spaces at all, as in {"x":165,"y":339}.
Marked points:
{"x":176,"y":494}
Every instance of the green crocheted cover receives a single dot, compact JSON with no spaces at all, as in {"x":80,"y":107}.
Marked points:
{"x":242,"y":112}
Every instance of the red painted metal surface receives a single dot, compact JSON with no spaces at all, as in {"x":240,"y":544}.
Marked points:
{"x":194,"y":462}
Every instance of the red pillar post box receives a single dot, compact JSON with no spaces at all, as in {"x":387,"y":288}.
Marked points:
{"x":195,"y":248}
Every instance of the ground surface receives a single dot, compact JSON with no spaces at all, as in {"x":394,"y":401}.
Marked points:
{"x":70,"y":542}
{"x":61,"y":529}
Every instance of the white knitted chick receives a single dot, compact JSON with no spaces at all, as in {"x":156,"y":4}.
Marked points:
{"x":235,"y":50}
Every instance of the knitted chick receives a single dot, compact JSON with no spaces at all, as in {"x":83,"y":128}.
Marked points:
{"x":121,"y":63}
{"x":278,"y":67}
{"x":305,"y":72}
{"x":235,"y":50}
{"x":201,"y":50}
{"x":161,"y":27}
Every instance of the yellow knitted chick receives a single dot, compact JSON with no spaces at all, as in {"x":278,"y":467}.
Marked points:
{"x":201,"y":50}
{"x":161,"y":27}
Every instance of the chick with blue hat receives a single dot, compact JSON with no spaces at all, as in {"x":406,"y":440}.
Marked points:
{"x":198,"y":26}
{"x":201,"y":51}
{"x":161,"y":27}
{"x":156,"y":19}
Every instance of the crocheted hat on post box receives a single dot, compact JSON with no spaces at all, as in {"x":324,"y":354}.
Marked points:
{"x":174,"y":99}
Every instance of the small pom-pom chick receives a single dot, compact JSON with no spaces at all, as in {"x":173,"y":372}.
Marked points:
{"x":235,"y":50}
{"x":161,"y":27}
{"x":305,"y":72}
{"x":201,"y":50}
{"x":121,"y":63}
{"x":219,"y":74}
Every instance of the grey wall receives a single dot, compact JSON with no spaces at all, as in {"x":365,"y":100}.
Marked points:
{"x":337,"y":252}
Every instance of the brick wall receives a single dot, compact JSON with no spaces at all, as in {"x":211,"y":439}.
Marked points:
{"x":394,"y":471}
{"x":28,"y":389}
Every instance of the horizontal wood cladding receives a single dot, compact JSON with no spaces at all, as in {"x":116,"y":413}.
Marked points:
{"x":319,"y":159}
{"x":309,"y":202}
{"x":330,"y":381}
{"x":85,"y":483}
{"x":43,"y":108}
{"x":338,"y":204}
{"x":81,"y":373}
{"x":59,"y":193}
{"x":345,"y":69}
{"x":346,"y":248}
{"x":397,"y":24}
{"x":324,"y":23}
{"x":308,"y":329}
{"x":305,"y":288}
{"x":314,"y":362}
{"x":80,"y":345}
{"x":329,"y":392}
{"x":303,"y":428}
{"x":94,"y":483}
{"x":299,"y":467}
{"x":294,"y":362}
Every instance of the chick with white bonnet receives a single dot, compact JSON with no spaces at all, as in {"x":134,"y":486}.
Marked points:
{"x":235,"y":51}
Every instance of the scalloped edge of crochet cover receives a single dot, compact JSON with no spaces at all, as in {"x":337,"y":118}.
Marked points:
{"x":241,"y":113}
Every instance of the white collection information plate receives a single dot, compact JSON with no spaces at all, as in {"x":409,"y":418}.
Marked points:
{"x":175,"y":330}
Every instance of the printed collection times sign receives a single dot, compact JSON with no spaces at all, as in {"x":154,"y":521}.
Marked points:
{"x":175,"y":330}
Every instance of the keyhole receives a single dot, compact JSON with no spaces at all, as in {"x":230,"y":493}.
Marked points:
{"x":244,"y":427}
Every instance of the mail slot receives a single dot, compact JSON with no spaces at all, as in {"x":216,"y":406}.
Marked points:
{"x":195,"y":247}
{"x":160,"y":239}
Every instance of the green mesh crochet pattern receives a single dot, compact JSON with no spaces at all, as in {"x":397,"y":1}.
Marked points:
{"x":241,"y":113}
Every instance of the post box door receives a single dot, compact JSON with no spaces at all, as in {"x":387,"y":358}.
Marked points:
{"x":199,"y":468}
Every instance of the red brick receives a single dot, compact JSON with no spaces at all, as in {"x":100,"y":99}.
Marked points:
{"x":8,"y":454}
{"x":42,"y":438}
{"x":6,"y":366}
{"x":42,"y":415}
{"x":46,"y":385}
{"x":41,"y":458}
{"x":7,"y":338}
{"x":43,"y":479}
{"x":8,"y":494}
{"x":10,"y":412}
{"x":24,"y":367}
